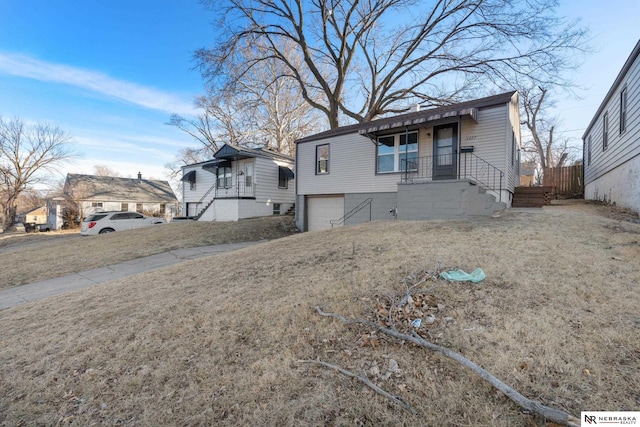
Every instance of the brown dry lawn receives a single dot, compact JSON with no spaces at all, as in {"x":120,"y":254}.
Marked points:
{"x":26,"y":258}
{"x":217,"y":341}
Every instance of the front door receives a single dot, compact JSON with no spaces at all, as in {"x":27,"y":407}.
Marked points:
{"x":445,"y":149}
{"x":248,"y":178}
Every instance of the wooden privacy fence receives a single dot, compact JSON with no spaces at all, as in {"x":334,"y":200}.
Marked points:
{"x":567,"y":180}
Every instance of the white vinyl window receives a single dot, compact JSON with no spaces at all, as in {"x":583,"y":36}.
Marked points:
{"x":223,"y":176}
{"x":394,"y":154}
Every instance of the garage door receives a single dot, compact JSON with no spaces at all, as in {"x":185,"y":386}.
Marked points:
{"x":322,"y":210}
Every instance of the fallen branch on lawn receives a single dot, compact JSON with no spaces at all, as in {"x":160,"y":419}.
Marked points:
{"x":534,"y":407}
{"x":396,"y":399}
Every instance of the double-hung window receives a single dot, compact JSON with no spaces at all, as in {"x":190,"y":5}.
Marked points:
{"x":223,"y":177}
{"x":623,"y":110}
{"x":397,"y":153}
{"x":283,"y":181}
{"x":322,"y":159}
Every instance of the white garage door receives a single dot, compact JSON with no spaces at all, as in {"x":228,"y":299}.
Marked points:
{"x":322,"y":210}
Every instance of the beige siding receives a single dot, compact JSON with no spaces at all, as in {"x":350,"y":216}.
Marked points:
{"x":352,"y":167}
{"x":352,"y":157}
{"x":488,"y":135}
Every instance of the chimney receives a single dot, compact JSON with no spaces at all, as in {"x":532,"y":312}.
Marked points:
{"x":415,"y":108}
{"x":139,"y":176}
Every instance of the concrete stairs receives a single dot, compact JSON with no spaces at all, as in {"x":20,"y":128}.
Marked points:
{"x":291,"y":211}
{"x":445,"y":200}
{"x":203,"y":210}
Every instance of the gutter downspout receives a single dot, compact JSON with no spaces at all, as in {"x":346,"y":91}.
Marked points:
{"x":459,"y":145}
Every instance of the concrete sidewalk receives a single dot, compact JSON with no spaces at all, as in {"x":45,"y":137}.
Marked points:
{"x":71,"y":282}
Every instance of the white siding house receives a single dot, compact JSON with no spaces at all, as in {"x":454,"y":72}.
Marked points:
{"x":611,"y":142}
{"x":92,"y":193}
{"x":238,"y":183}
{"x":449,"y":162}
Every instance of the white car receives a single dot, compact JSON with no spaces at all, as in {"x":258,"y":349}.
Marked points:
{"x":107,"y":222}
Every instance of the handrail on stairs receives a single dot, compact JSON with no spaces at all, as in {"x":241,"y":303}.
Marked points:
{"x":202,"y":211}
{"x":352,"y":212}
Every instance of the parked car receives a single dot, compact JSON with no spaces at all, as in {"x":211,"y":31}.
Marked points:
{"x":17,"y":227}
{"x":107,"y":222}
{"x":30,"y":227}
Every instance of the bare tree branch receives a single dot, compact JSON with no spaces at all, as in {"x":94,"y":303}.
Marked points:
{"x":364,"y":64}
{"x":364,"y":380}
{"x":549,"y":150}
{"x":26,"y":155}
{"x":534,"y":407}
{"x":257,"y":103}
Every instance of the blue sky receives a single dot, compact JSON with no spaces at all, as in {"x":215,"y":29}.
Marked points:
{"x":112,"y":72}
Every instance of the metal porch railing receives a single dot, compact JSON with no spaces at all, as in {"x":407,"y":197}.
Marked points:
{"x":469,"y":165}
{"x":352,"y":212}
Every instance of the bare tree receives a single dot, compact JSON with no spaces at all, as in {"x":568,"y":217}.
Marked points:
{"x":27,"y":153}
{"x":186,"y":156}
{"x":386,"y":52}
{"x":201,"y":128}
{"x":549,"y":149}
{"x":275,"y":102}
{"x":103,"y":170}
{"x":259,"y":107}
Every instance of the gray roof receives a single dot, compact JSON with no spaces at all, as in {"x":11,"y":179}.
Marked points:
{"x":462,"y":108}
{"x":115,"y":189}
{"x":231,"y":152}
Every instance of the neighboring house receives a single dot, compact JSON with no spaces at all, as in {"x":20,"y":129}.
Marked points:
{"x":611,"y":142}
{"x":55,"y":210}
{"x":528,"y":173}
{"x":450,"y":162}
{"x":94,"y":193}
{"x":35,"y":216}
{"x":238,"y":183}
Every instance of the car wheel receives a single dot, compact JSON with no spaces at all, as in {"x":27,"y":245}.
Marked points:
{"x":107,"y":230}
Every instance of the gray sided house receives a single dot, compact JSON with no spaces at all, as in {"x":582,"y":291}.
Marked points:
{"x":450,"y":162}
{"x":94,"y":193}
{"x":611,"y":142}
{"x":238,"y":183}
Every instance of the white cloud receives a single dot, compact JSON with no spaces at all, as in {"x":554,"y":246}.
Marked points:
{"x":33,"y":68}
